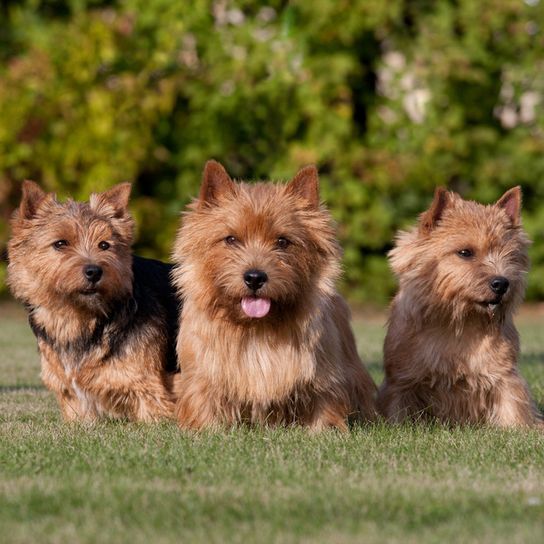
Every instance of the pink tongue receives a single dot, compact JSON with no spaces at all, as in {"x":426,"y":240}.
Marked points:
{"x":255,"y":306}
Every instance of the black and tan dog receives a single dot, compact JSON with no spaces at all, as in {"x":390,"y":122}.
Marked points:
{"x":104,"y":319}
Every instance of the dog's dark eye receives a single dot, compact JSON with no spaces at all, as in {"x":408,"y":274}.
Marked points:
{"x":231,"y":240}
{"x":282,"y":242}
{"x":59,"y":244}
{"x":465,"y":253}
{"x":104,"y":245}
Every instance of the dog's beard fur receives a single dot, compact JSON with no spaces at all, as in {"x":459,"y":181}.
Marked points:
{"x":451,"y":347}
{"x":260,"y":368}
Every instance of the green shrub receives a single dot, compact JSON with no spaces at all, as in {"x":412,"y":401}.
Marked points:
{"x":389,"y":99}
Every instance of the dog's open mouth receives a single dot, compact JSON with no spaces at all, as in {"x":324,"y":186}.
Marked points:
{"x":491,"y":306}
{"x":256,"y":307}
{"x":89,"y":292}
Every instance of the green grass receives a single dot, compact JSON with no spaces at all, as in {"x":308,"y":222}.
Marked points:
{"x":135,"y":483}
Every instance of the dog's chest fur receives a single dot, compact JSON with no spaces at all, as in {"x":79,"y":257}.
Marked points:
{"x":255,"y":368}
{"x":74,"y":354}
{"x":440,"y":358}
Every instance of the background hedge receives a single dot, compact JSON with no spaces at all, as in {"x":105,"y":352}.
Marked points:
{"x":388,"y":98}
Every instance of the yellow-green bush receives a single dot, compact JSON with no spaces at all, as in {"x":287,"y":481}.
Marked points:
{"x":389,"y":99}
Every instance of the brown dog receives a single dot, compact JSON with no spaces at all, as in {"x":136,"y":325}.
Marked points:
{"x":105,"y":321}
{"x":266,"y":338}
{"x":451,"y":349}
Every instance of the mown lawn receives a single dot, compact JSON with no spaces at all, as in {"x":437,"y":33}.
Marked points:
{"x":118,"y":482}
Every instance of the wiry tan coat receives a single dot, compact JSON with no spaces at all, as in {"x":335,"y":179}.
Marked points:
{"x":451,"y":348}
{"x":297,"y":365}
{"x":103,"y":347}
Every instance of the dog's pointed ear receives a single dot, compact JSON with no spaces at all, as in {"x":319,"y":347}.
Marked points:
{"x":306,"y":185}
{"x":510,"y":202}
{"x":215,"y":182}
{"x":33,"y":196}
{"x":429,"y":219}
{"x":113,"y":202}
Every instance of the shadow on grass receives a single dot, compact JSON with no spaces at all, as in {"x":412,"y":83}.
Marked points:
{"x":374,"y":366}
{"x":532,"y":358}
{"x":19,"y":388}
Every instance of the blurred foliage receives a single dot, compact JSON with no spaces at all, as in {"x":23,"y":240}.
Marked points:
{"x":389,"y":99}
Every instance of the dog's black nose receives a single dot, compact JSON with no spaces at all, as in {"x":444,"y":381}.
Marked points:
{"x":255,"y":279}
{"x":92,"y":272}
{"x":499,"y":285}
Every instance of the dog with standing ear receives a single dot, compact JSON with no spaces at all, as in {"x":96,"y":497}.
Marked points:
{"x":451,"y":348}
{"x":266,"y":339}
{"x":105,"y":320}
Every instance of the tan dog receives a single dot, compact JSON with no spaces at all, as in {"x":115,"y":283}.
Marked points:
{"x":451,"y":349}
{"x":104,"y":320}
{"x":266,"y":338}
